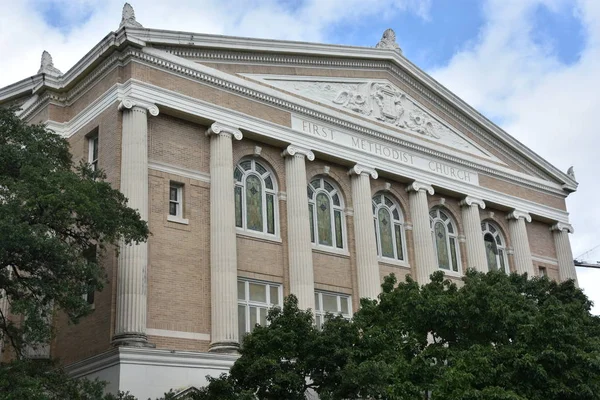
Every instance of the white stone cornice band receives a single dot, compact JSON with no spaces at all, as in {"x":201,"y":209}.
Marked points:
{"x":561,"y":226}
{"x":416,"y":186}
{"x":297,"y":151}
{"x":469,"y":201}
{"x":218,"y":128}
{"x":359,"y":169}
{"x":516,"y":214}
{"x":129,"y":103}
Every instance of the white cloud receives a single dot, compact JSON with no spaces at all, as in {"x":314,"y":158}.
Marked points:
{"x":549,"y":106}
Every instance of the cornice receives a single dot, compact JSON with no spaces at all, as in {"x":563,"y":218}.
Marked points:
{"x":293,"y":150}
{"x":360,"y":169}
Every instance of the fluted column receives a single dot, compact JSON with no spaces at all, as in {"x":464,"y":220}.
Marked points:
{"x":223,"y":254}
{"x":476,"y":257}
{"x":367,"y":266}
{"x":564,"y":254}
{"x":132,"y":285}
{"x":425,"y":257}
{"x":302,"y":281}
{"x":518,"y":236}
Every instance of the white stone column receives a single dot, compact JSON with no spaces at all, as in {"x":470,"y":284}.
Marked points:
{"x":3,"y":314}
{"x":475,"y":246}
{"x":302,"y":280}
{"x":564,"y":254}
{"x":518,"y":236}
{"x":132,"y":285}
{"x":367,"y":266}
{"x":223,"y":249}
{"x":425,"y":258}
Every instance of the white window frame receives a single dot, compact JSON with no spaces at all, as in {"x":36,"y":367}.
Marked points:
{"x":241,"y":183}
{"x":492,"y":229}
{"x":247,"y":303}
{"x":399,"y":221}
{"x":179,"y":204}
{"x":542,"y":271}
{"x":320,"y":313}
{"x":93,"y":147}
{"x":448,"y":221}
{"x":330,"y":194}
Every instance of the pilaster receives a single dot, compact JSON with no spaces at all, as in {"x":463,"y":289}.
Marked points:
{"x":425,"y":257}
{"x":475,"y":246}
{"x":518,"y":235}
{"x":369,"y":282}
{"x":564,"y":254}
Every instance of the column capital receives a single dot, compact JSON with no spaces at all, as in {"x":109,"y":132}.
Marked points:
{"x":297,"y":151}
{"x":469,"y":201}
{"x":218,"y":128}
{"x":128,"y":103}
{"x":360,"y":169}
{"x":417,"y":186}
{"x":561,"y":226}
{"x":516,"y":214}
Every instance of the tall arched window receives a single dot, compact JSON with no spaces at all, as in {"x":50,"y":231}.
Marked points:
{"x":326,"y":212}
{"x":445,"y":239}
{"x":255,"y":197}
{"x":389,"y":227}
{"x":495,"y":247}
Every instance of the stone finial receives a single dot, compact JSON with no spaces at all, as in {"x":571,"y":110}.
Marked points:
{"x":47,"y":66}
{"x":571,"y":172}
{"x":388,"y":41}
{"x":128,"y":18}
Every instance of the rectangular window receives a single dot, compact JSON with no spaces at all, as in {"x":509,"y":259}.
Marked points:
{"x":543,"y":271}
{"x":93,"y":152}
{"x":176,"y":200}
{"x":254,"y":300}
{"x":91,"y":256}
{"x":333,"y":303}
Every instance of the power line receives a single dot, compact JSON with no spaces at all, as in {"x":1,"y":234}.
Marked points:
{"x":589,"y":251}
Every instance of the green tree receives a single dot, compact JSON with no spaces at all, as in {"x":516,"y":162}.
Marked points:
{"x":52,"y":212}
{"x":495,"y":336}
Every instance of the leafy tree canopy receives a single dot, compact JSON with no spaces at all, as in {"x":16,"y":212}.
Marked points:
{"x":52,"y":212}
{"x":495,"y":336}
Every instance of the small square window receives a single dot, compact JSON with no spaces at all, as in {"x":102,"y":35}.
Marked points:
{"x":176,"y":200}
{"x":93,"y":152}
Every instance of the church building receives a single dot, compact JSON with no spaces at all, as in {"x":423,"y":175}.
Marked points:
{"x":267,"y":168}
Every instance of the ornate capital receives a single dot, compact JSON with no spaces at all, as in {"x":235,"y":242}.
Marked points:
{"x":128,"y":17}
{"x":561,"y":226}
{"x":47,"y":66}
{"x":516,"y":214}
{"x":469,"y":201}
{"x":359,"y":169}
{"x":220,"y":129}
{"x":416,"y":186}
{"x":129,"y":104}
{"x":295,"y":151}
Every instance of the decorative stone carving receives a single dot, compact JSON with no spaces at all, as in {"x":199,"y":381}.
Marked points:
{"x":129,"y":103}
{"x":257,"y":151}
{"x":469,"y":201}
{"x":292,"y":150}
{"x":47,"y":66}
{"x":516,"y":214}
{"x":361,"y":169}
{"x":561,"y":226}
{"x":218,"y":128}
{"x":571,"y":172}
{"x":417,"y":186}
{"x":128,"y":17}
{"x":388,"y":41}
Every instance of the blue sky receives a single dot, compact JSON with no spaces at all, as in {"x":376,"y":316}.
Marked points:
{"x":531,"y":66}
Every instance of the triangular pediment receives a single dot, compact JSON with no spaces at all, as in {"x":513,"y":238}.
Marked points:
{"x":379,"y":101}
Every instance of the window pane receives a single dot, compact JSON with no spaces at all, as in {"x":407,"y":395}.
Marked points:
{"x":241,"y":320}
{"x":454,"y":257}
{"x":309,"y":192}
{"x":253,"y":317}
{"x":173,"y":193}
{"x":385,"y":233}
{"x":336,"y":199}
{"x":238,"y":206}
{"x":237,"y":174}
{"x":396,"y":214}
{"x":328,"y":186}
{"x":270,"y":214}
{"x":324,"y":220}
{"x":377,"y":199}
{"x":450,"y":228}
{"x":441,"y":245}
{"x":388,"y":202}
{"x":261,"y":170}
{"x":312,"y":223}
{"x":317,"y":303}
{"x":490,"y":251}
{"x":399,"y":248}
{"x":443,"y":216}
{"x":376,"y":236}
{"x":433,"y":213}
{"x":492,"y":229}
{"x":269,"y":183}
{"x":316,"y":183}
{"x":254,"y":216}
{"x":241,"y":290}
{"x":319,"y":321}
{"x":172,"y":208}
{"x":263,"y":316}
{"x":498,"y":240}
{"x":501,"y":256}
{"x":258,"y":292}
{"x":274,"y":295}
{"x":330,"y":303}
{"x":95,"y":148}
{"x":345,"y":308}
{"x":245,"y":165}
{"x":338,"y":230}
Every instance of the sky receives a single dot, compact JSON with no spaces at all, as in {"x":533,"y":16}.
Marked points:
{"x":531,"y":66}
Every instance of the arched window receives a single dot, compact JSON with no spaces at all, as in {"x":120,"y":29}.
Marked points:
{"x":495,"y":247}
{"x":326,"y":212}
{"x":445,"y":241}
{"x":389,"y":227}
{"x":255,"y":197}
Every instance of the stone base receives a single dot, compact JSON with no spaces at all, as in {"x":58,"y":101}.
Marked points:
{"x":224,"y":348}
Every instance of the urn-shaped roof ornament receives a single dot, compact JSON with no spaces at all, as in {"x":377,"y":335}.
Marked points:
{"x":571,"y":172}
{"x":128,"y":17}
{"x":388,"y":41}
{"x":47,"y":66}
